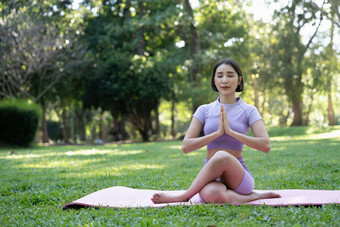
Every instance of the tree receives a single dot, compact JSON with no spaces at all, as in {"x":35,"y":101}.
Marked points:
{"x":331,"y":13}
{"x":37,"y":51}
{"x":290,"y":57}
{"x":131,"y":77}
{"x":211,"y":31}
{"x":30,"y":55}
{"x":329,"y":67}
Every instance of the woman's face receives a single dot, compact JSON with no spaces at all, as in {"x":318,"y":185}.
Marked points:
{"x":226,"y":79}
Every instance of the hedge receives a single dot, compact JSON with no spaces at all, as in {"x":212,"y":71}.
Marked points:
{"x":19,"y":121}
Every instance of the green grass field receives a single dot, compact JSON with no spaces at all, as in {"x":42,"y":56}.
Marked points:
{"x":36,"y":182}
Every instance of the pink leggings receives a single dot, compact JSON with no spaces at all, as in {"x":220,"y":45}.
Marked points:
{"x":247,"y":183}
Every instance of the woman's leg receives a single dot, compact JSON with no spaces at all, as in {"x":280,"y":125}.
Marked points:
{"x":216,"y":192}
{"x":230,"y":171}
{"x":222,"y":165}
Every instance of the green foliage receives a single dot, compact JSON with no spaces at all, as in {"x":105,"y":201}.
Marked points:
{"x":133,"y":75}
{"x":19,"y":122}
{"x":54,"y":130}
{"x":36,"y":183}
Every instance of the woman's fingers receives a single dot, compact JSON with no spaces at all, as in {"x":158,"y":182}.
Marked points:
{"x":220,"y":123}
{"x":226,"y":124}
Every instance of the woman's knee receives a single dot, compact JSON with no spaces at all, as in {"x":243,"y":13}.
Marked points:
{"x":222,"y":156}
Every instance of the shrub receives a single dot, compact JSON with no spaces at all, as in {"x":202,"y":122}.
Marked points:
{"x":19,"y":122}
{"x":54,"y":130}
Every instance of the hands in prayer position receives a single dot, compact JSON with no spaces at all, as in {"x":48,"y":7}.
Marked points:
{"x":223,"y":124}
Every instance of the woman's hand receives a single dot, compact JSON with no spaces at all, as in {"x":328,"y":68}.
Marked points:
{"x":226,"y":124}
{"x":260,"y":140}
{"x":220,"y":129}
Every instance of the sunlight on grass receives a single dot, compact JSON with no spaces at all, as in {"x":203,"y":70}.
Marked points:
{"x":329,"y":135}
{"x":85,"y":152}
{"x":29,"y":156}
{"x":96,"y":152}
{"x":141,"y":166}
{"x":116,"y":170}
{"x":194,"y":153}
{"x":54,"y":164}
{"x":310,"y":135}
{"x":176,"y":147}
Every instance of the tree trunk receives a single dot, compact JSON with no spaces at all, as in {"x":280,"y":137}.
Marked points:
{"x":118,"y":127}
{"x":194,"y":47}
{"x":143,"y":127}
{"x":256,"y":91}
{"x":297,"y":110}
{"x":101,"y":127}
{"x":331,"y":116}
{"x":45,"y":138}
{"x":73,"y":125}
{"x":145,"y":135}
{"x":115,"y":126}
{"x":264,"y":101}
{"x":173,"y":132}
{"x":122,"y":132}
{"x":93,"y":132}
{"x":64,"y":125}
{"x":306,"y":122}
{"x":194,"y":44}
{"x":81,"y":123}
{"x":93,"y":126}
{"x":141,"y":43}
{"x":157,"y":123}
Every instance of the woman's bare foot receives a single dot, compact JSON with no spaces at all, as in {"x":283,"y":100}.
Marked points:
{"x":166,"y":198}
{"x":266,"y":195}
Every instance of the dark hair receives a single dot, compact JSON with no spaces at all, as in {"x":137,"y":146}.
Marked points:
{"x":236,"y":67}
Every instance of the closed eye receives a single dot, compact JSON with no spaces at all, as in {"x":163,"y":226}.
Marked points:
{"x":219,"y":74}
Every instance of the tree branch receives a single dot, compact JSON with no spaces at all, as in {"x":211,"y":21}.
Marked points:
{"x":315,"y":32}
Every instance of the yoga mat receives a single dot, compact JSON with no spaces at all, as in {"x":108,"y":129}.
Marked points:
{"x":124,"y":197}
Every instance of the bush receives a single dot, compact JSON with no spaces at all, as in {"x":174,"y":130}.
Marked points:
{"x":54,"y":130}
{"x":19,"y":122}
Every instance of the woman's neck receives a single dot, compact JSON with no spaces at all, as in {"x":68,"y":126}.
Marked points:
{"x":227,"y":99}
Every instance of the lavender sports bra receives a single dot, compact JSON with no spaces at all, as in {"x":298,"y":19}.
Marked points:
{"x":240,"y":114}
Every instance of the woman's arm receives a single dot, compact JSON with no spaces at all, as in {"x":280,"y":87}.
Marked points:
{"x":260,"y":141}
{"x":192,"y":141}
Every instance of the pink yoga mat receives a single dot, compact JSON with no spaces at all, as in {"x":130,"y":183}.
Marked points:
{"x":124,"y":197}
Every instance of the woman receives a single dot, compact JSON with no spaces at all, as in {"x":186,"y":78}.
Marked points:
{"x":224,"y":177}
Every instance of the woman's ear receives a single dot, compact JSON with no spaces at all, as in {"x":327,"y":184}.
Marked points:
{"x":239,"y":87}
{"x":240,"y":80}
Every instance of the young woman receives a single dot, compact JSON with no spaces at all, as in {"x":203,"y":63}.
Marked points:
{"x":224,"y":177}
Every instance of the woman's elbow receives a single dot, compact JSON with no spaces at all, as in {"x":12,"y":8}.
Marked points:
{"x":266,"y":148}
{"x":185,"y":149}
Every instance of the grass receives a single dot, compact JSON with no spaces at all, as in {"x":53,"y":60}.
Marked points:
{"x":37,"y":182}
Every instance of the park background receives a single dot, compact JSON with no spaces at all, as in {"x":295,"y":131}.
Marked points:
{"x":121,"y":71}
{"x":137,"y":70}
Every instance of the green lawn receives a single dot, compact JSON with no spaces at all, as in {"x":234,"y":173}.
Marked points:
{"x":37,"y":182}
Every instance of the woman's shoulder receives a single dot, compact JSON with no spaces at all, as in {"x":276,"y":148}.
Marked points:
{"x":205,"y":110}
{"x":251,"y":111}
{"x":246,"y":106}
{"x":207,"y":106}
